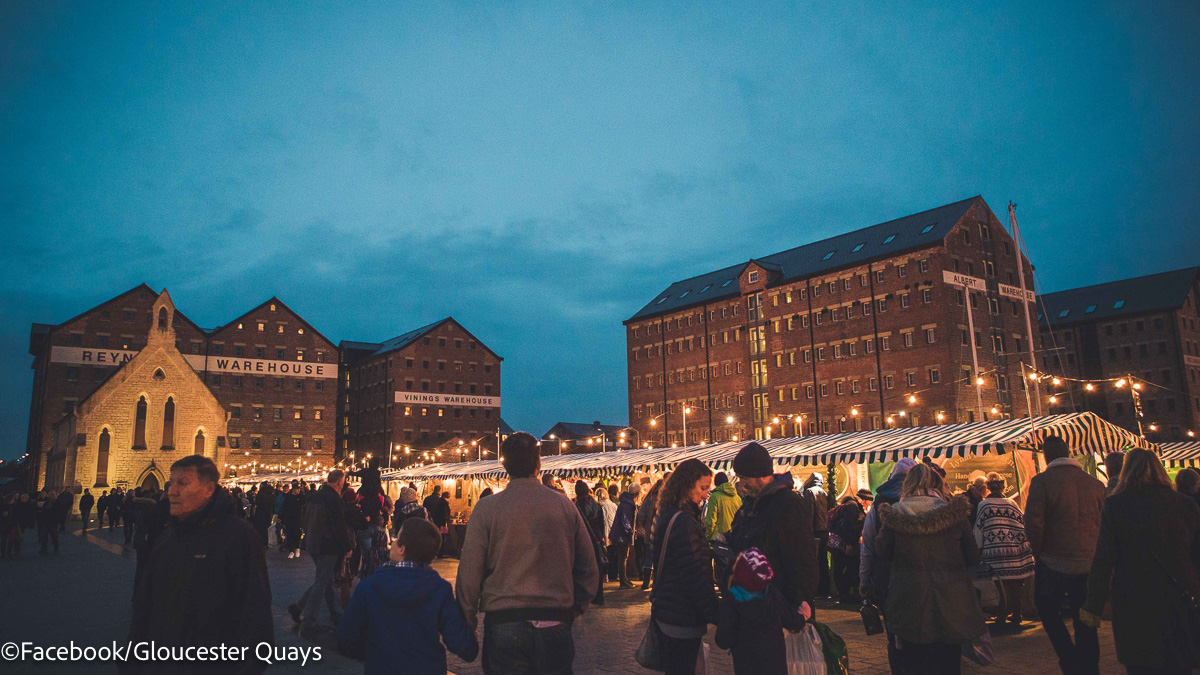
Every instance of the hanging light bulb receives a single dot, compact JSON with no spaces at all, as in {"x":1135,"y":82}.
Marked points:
{"x":1137,"y":386}
{"x":1153,"y":427}
{"x":1191,"y":434}
{"x":1089,"y":386}
{"x":902,"y":413}
{"x":940,"y":417}
{"x":1121,"y":383}
{"x":854,"y":411}
{"x":979,"y":381}
{"x":891,"y":420}
{"x":1054,"y":399}
{"x":912,"y":399}
{"x":1056,"y":381}
{"x":995,"y":410}
{"x":1033,"y":376}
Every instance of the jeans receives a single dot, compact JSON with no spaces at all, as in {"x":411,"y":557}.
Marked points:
{"x":364,"y":548}
{"x":87,"y":516}
{"x":1050,"y":587}
{"x":129,"y":523}
{"x":619,"y":554}
{"x":517,"y":648}
{"x":322,"y":587}
{"x":845,"y":573}
{"x":46,"y":534}
{"x":291,"y":537}
{"x":680,"y":655}
{"x":822,"y":564}
{"x":939,"y":658}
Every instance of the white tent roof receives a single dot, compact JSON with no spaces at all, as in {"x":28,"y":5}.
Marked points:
{"x":1083,"y":432}
{"x":1184,"y":453}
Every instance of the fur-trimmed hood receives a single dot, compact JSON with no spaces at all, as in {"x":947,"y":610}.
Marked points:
{"x":931,"y":518}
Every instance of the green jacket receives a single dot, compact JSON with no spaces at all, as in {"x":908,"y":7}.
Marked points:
{"x":722,"y":504}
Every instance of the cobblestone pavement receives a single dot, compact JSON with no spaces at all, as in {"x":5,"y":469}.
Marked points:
{"x":83,"y":593}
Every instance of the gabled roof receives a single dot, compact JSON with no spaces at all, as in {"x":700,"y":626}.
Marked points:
{"x":919,"y":230}
{"x":140,"y":287}
{"x":1152,"y":293}
{"x":582,"y":430}
{"x":373,"y":349}
{"x":273,"y":299}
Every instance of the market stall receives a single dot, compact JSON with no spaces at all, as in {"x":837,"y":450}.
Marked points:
{"x":1181,"y":454}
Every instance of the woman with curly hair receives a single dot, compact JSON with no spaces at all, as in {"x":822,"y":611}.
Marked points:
{"x":683,"y":602}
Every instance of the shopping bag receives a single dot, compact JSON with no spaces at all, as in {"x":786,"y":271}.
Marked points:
{"x":837,"y":659}
{"x":702,"y":659}
{"x":804,"y":653}
{"x":980,"y":650}
{"x":649,"y":651}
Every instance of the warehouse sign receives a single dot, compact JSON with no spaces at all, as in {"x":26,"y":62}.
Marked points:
{"x":80,"y":356}
{"x":1014,"y":292}
{"x":224,"y":364}
{"x":467,"y":401}
{"x":956,"y":279}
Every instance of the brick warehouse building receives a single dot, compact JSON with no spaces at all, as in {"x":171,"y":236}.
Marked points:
{"x":417,"y":391}
{"x":1148,"y":328}
{"x":266,"y":360}
{"x":838,"y":335}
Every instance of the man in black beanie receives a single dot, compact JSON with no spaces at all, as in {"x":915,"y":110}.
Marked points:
{"x":777,"y":521}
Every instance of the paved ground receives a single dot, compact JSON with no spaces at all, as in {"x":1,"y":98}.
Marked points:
{"x":83,"y":592}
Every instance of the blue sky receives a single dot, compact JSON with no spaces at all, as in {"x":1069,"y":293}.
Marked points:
{"x":540,"y":171}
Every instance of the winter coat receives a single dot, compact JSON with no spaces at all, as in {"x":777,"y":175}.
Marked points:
{"x":815,"y":488}
{"x":1146,"y":534}
{"x":264,"y":507}
{"x":683,"y":592}
{"x":63,"y":504}
{"x":86,"y":502}
{"x":931,"y":598}
{"x":846,"y":521}
{"x":204,"y":584}
{"x":873,"y":571}
{"x":394,"y":620}
{"x":593,"y":515}
{"x":723,"y":504}
{"x":609,"y":507}
{"x":644,"y":525}
{"x":407,"y":510}
{"x":293,"y":509}
{"x":325,"y":524}
{"x":753,"y":631}
{"x":779,"y":522}
{"x":1000,"y":534}
{"x":622,"y":527}
{"x":1062,"y":516}
{"x":438,"y":510}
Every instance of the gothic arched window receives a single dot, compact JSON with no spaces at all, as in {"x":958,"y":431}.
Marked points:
{"x":139,"y":425}
{"x":199,"y":442}
{"x":168,"y":435}
{"x":102,"y":459}
{"x":162,"y":318}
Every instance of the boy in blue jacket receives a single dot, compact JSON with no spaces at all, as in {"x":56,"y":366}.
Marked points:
{"x":396,"y":615}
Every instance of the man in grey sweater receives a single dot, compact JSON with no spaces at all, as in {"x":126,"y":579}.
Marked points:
{"x":528,"y":564}
{"x":1062,"y":524}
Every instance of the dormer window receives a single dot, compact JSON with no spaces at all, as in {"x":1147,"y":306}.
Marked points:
{"x":753,"y":278}
{"x":272,"y":307}
{"x":1118,"y":304}
{"x":829,"y":255}
{"x":684,"y":294}
{"x":727,"y":283}
{"x":928,"y":229}
{"x":859,"y":247}
{"x":889,"y":239}
{"x":706,"y":288}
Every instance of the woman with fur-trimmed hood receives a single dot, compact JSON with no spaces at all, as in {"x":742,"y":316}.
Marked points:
{"x":931,"y":608}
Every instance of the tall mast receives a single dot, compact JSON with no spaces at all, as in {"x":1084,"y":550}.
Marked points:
{"x":1020,"y":246}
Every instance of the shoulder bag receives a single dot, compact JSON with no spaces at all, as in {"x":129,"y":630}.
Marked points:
{"x":649,"y":652}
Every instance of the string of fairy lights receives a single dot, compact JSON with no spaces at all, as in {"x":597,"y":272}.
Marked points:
{"x":1135,"y":386}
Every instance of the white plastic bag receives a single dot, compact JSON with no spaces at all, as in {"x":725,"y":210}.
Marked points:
{"x":804,"y":653}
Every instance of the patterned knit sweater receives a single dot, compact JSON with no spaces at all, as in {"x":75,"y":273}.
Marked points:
{"x":1000,"y":533}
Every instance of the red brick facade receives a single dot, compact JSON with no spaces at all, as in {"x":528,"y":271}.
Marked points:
{"x":441,"y":360}
{"x":72,"y":359}
{"x":819,"y":353}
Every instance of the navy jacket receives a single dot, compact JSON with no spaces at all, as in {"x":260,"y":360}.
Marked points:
{"x":394,"y":620}
{"x":622,"y":527}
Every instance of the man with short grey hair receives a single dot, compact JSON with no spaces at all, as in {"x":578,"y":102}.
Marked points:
{"x":328,"y":543}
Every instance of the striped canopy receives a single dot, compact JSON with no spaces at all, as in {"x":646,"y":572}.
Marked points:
{"x":1178,"y":455}
{"x":1083,"y":432}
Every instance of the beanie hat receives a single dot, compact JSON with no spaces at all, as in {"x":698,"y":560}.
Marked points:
{"x":751,"y":571}
{"x":866,"y":495}
{"x":753,"y":461}
{"x":408,"y":495}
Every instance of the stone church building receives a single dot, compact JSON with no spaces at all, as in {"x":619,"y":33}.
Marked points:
{"x":151,"y":411}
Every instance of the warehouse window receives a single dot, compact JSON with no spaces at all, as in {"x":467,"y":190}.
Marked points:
{"x":139,"y":425}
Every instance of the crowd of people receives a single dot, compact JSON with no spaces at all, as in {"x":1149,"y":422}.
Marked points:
{"x":750,"y":556}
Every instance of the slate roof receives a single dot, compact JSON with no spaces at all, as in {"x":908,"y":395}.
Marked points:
{"x":1152,"y":293}
{"x":373,"y":349}
{"x":919,"y":230}
{"x":581,"y":430}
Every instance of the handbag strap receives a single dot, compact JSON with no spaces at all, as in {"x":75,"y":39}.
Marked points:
{"x":662,"y":555}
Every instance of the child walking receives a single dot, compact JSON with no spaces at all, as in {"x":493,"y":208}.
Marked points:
{"x":399,"y":616}
{"x":753,"y":615}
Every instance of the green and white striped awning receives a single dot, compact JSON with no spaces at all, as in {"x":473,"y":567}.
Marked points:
{"x":1083,"y":433}
{"x":1178,"y":455}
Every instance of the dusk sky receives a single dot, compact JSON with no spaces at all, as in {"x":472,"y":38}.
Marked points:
{"x":540,"y":172}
